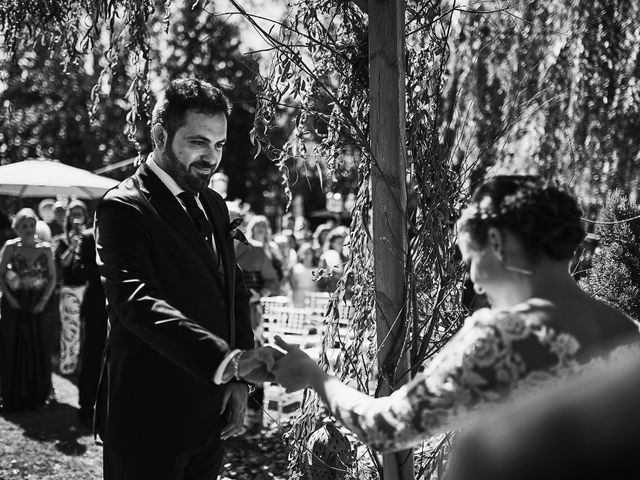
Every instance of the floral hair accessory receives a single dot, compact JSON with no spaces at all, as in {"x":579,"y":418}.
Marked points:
{"x":482,"y":210}
{"x":509,"y":205}
{"x":234,"y":231}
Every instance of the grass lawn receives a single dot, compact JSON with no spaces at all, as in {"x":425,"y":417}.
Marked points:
{"x":51,"y":444}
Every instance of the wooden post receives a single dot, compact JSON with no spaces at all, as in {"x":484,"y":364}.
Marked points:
{"x":389,"y":192}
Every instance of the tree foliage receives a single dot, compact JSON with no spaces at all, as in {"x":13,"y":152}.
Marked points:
{"x":550,"y":88}
{"x":321,"y":63}
{"x":615,"y":274}
{"x":530,"y":86}
{"x":78,"y":76}
{"x":44,"y":112}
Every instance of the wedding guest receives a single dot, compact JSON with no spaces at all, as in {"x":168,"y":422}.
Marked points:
{"x":220,"y":183}
{"x":302,"y":275}
{"x":319,"y":239}
{"x":71,"y":286}
{"x":56,"y":225}
{"x":259,"y":234}
{"x":45,"y":211}
{"x":332,"y":260}
{"x":93,"y":316}
{"x":67,"y":248}
{"x":302,"y":231}
{"x":259,"y":273}
{"x":5,"y":228}
{"x":517,"y":237}
{"x":261,"y":278}
{"x":288,"y":221}
{"x":289,"y":258}
{"x":27,"y":280}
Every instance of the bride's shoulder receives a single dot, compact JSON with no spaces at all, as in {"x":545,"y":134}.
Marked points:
{"x":517,"y":321}
{"x":526,"y":312}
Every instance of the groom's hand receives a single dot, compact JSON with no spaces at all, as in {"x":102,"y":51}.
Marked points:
{"x":255,"y":365}
{"x":234,"y":407}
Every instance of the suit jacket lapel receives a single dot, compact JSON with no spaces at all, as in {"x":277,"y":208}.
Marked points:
{"x":218,"y":220}
{"x":162,"y":200}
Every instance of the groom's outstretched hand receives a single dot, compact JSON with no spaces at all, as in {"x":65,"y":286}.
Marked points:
{"x":255,"y":365}
{"x":296,"y":370}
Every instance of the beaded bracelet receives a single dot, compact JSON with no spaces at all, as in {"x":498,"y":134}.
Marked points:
{"x":236,"y":364}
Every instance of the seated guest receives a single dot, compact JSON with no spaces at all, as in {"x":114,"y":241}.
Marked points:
{"x":517,"y":238}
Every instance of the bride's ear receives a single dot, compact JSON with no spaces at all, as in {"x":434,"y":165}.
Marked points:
{"x":495,"y":241}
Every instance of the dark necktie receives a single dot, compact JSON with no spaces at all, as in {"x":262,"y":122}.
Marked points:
{"x":198,"y":217}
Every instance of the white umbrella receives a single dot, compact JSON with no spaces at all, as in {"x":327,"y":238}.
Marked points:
{"x":45,"y":178}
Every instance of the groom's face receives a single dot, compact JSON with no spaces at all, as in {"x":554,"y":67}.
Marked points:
{"x":195,"y":151}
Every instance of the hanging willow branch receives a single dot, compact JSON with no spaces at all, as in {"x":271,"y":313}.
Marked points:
{"x":321,"y":64}
{"x":74,"y":27}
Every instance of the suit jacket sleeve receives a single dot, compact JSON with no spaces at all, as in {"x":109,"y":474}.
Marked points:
{"x":136,"y":297}
{"x":244,"y":332}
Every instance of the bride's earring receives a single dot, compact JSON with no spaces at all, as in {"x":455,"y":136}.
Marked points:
{"x":478,"y":289}
{"x":499,"y":250}
{"x":522,"y":271}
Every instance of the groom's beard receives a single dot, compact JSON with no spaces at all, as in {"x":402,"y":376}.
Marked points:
{"x":186,"y":177}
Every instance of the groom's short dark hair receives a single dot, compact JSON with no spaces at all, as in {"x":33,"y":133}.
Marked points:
{"x":185,"y":95}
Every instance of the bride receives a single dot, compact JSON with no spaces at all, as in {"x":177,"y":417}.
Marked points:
{"x":517,"y":237}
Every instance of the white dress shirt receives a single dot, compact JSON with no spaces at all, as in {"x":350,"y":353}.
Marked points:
{"x":175,"y":190}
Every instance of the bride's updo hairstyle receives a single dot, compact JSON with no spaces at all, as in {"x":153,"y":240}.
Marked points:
{"x":544,"y":218}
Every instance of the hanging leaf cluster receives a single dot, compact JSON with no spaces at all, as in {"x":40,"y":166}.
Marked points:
{"x":320,"y":71}
{"x":71,"y":29}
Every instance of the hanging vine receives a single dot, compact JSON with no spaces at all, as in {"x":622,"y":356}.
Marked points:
{"x":320,"y":66}
{"x":72,"y":28}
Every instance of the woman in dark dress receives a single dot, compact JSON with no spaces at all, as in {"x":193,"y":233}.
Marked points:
{"x":27,"y":280}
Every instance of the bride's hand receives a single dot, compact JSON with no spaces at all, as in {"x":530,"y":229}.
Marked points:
{"x":296,"y":369}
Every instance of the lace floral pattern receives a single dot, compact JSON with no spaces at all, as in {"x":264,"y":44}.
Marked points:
{"x":497,"y":355}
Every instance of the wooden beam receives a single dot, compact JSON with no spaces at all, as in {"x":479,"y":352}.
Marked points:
{"x":389,"y":197}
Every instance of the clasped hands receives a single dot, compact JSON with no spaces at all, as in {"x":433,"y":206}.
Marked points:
{"x":283,"y":363}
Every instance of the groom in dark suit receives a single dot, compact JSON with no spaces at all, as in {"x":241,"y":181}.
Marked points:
{"x":171,"y":389}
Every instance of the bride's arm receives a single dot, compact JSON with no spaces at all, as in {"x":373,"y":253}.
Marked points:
{"x":477,"y":366}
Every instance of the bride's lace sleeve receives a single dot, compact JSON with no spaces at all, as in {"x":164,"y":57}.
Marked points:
{"x":493,"y":353}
